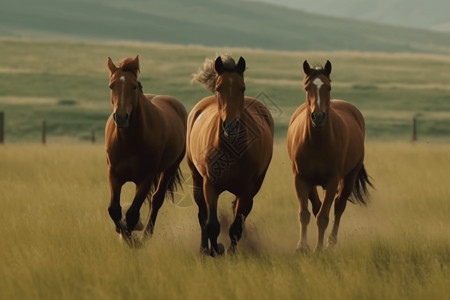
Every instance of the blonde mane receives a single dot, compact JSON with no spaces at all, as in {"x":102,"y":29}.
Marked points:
{"x":208,"y":75}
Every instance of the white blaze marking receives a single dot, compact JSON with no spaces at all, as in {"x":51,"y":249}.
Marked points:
{"x":121,"y":100}
{"x":318,"y":82}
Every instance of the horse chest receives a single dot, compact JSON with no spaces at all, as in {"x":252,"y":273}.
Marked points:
{"x":130,"y":165}
{"x":317,"y":167}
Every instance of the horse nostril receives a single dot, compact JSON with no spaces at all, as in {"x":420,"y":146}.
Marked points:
{"x":115,"y":117}
{"x":324,"y":115}
{"x":313,"y":116}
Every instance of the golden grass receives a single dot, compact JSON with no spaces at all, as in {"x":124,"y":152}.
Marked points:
{"x":59,"y":243}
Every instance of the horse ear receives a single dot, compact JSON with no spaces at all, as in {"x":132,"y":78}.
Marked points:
{"x":111,"y":66}
{"x":218,"y":65}
{"x":241,"y":65}
{"x":135,"y":64}
{"x":328,"y":68}
{"x":306,"y":67}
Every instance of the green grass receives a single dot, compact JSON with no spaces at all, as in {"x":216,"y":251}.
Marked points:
{"x":38,"y":77}
{"x":59,"y":243}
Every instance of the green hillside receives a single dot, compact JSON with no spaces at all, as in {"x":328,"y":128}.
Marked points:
{"x":219,"y":23}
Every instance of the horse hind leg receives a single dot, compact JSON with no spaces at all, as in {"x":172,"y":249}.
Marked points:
{"x":242,"y":208}
{"x":346,"y":188}
{"x":168,"y":180}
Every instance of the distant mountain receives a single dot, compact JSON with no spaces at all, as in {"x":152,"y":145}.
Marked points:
{"x":430,"y":14}
{"x":233,"y":23}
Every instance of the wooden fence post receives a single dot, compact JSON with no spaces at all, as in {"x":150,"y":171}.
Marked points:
{"x":93,"y":137}
{"x":2,"y":127}
{"x":44,"y":132}
{"x":414,"y":129}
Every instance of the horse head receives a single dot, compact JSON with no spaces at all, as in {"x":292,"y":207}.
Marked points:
{"x":317,"y":85}
{"x":230,"y":89}
{"x":125,"y":89}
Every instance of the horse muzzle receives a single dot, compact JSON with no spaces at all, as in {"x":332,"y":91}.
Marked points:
{"x":121,"y":120}
{"x":318,"y":119}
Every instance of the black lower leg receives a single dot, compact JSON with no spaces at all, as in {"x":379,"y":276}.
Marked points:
{"x":236,"y":229}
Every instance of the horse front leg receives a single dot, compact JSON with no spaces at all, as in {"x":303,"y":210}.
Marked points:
{"x":212,"y":222}
{"x":302,"y":189}
{"x":133,"y":213}
{"x":114,"y":209}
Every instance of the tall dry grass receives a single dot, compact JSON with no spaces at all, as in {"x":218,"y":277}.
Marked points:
{"x":57,"y":241}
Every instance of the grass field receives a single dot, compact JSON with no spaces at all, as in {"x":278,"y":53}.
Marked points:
{"x":65,"y":83}
{"x":59,"y":243}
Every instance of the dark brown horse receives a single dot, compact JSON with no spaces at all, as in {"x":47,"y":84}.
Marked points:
{"x":145,"y":139}
{"x":326,"y":145}
{"x":229,"y":148}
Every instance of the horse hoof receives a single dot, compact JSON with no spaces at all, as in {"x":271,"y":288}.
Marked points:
{"x":132,"y":241}
{"x":303,"y":250}
{"x":219,"y":251}
{"x":332,"y":241}
{"x":123,"y":228}
{"x":205,"y":251}
{"x":232,"y":250}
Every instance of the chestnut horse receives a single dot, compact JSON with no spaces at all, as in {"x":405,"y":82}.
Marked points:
{"x":229,"y":148}
{"x":145,"y":139}
{"x":325,"y":142}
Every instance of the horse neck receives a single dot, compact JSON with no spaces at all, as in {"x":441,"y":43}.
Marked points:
{"x":241,"y":140}
{"x":323,"y":135}
{"x":143,"y":114}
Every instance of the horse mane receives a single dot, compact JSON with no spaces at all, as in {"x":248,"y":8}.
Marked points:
{"x":208,"y":75}
{"x":129,"y":65}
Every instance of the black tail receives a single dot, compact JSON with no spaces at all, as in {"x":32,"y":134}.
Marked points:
{"x":360,"y":192}
{"x":174,"y":183}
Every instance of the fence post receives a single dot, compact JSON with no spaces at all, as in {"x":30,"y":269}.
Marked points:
{"x":2,"y":127}
{"x":414,"y":129}
{"x":93,"y":137}
{"x":44,"y":132}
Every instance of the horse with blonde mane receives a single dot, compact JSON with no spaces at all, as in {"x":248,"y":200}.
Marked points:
{"x":325,"y":142}
{"x":145,"y":138}
{"x":229,"y":148}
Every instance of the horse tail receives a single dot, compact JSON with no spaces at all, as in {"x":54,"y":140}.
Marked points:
{"x":360,"y":191}
{"x":174,"y":183}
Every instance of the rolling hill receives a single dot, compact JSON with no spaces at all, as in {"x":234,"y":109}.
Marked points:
{"x":232,"y":23}
{"x":431,"y":14}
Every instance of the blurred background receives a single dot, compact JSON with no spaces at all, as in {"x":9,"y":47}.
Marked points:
{"x":390,"y":58}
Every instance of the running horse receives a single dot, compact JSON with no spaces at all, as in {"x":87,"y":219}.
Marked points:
{"x":229,"y":148}
{"x":145,"y":138}
{"x":325,"y":142}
